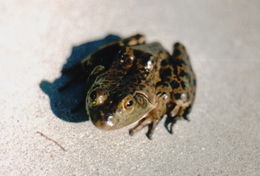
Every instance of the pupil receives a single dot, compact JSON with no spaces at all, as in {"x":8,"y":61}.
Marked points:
{"x":130,"y":103}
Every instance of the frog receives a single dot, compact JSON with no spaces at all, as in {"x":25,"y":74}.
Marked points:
{"x":131,"y":81}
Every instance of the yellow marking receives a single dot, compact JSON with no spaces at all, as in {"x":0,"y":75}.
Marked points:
{"x":132,"y":42}
{"x":141,"y":40}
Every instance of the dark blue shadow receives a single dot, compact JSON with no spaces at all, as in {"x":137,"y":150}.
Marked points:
{"x":63,"y":102}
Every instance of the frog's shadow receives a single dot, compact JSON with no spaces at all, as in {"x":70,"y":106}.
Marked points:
{"x":62,"y":102}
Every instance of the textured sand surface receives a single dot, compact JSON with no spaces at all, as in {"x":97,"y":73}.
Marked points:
{"x":38,"y":37}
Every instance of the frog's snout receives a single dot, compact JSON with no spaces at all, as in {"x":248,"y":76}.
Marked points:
{"x":103,"y":121}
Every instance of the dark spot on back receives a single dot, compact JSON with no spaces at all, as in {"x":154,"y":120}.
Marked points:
{"x":186,"y":75}
{"x":164,"y":62}
{"x":141,"y":86}
{"x":143,"y":58}
{"x":184,"y":84}
{"x":175,"y":84}
{"x":165,"y":72}
{"x":177,"y":96}
{"x":183,"y":73}
{"x":178,"y":62}
{"x":161,"y":83}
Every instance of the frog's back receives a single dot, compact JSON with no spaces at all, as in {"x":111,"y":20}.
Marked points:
{"x":184,"y":72}
{"x":178,"y":73}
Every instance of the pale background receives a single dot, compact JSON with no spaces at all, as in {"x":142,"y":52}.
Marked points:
{"x":222,"y":138}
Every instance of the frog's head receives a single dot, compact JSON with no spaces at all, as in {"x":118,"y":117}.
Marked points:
{"x":110,"y":110}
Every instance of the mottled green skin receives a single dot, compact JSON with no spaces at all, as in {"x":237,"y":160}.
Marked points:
{"x":129,"y":80}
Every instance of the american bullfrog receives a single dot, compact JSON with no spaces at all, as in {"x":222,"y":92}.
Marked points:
{"x":130,"y":80}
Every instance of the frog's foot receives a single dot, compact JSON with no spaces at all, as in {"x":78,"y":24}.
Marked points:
{"x":140,"y":125}
{"x":143,"y":123}
{"x":151,"y":128}
{"x":186,"y":112}
{"x":169,"y":123}
{"x":137,"y":39}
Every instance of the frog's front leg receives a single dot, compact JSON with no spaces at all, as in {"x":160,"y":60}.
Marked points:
{"x":151,"y":121}
{"x":140,"y":125}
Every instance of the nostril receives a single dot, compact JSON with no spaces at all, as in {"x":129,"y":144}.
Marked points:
{"x":108,"y":120}
{"x":106,"y":117}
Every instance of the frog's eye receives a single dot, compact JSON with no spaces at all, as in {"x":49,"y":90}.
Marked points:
{"x":128,"y":103}
{"x":98,"y":97}
{"x":93,"y":95}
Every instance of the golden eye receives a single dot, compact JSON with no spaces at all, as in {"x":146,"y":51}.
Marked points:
{"x":128,"y":104}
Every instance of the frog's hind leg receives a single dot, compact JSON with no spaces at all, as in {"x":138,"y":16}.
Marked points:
{"x":182,"y":84}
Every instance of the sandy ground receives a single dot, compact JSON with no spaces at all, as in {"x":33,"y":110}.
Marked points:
{"x":39,"y":136}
